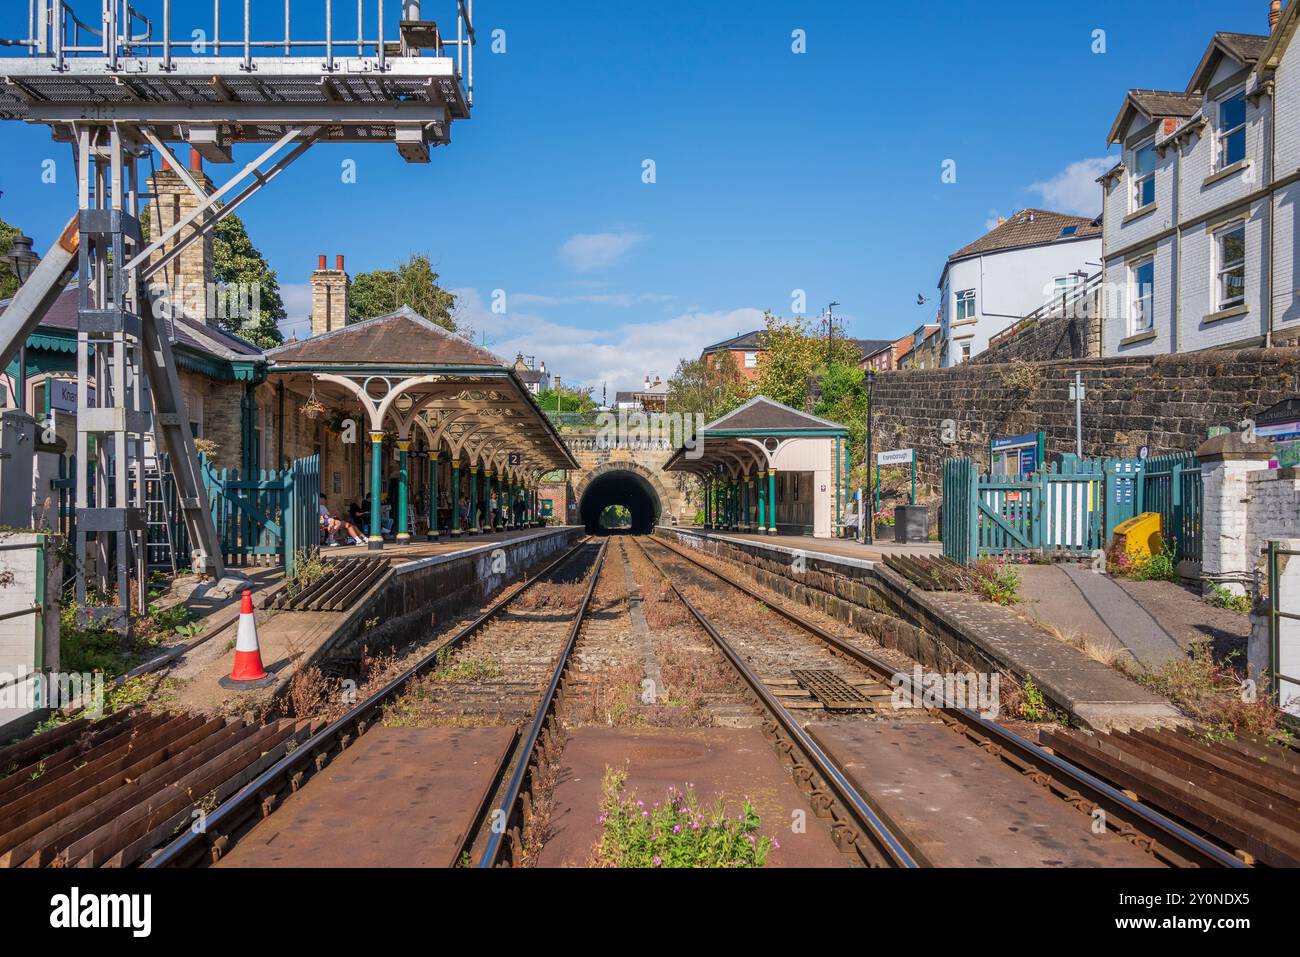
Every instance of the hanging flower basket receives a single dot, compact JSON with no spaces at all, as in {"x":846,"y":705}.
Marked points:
{"x":313,"y":407}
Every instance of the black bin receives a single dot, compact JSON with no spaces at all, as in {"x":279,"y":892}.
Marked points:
{"x":911,"y":524}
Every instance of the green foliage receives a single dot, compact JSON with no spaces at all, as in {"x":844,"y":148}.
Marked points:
{"x":711,"y":389}
{"x":307,"y":568}
{"x":994,"y":581}
{"x":569,"y":400}
{"x":91,"y":647}
{"x":1033,"y":706}
{"x":792,"y":352}
{"x":8,"y":281}
{"x":236,"y":260}
{"x":1162,"y":566}
{"x":414,"y":283}
{"x":677,"y":833}
{"x":1221,"y":597}
{"x":466,"y":669}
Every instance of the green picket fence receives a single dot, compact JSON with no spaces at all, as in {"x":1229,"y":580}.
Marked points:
{"x":1070,"y":510}
{"x":265,"y":516}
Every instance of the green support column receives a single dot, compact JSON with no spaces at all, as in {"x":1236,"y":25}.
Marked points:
{"x":744,"y":504}
{"x":455,"y":498}
{"x":433,"y":496}
{"x":403,"y":480}
{"x":487,"y":500}
{"x":376,"y":538}
{"x":473,"y":500}
{"x":771,"y":501}
{"x":762,"y":512}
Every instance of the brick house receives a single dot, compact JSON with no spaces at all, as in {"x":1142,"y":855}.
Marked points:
{"x":1200,"y":212}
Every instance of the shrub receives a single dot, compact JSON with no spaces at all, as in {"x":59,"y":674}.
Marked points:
{"x":1162,"y":566}
{"x":1221,"y":597}
{"x":994,"y":581}
{"x":677,"y":833}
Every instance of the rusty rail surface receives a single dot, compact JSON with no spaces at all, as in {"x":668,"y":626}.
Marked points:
{"x":533,"y":751}
{"x":866,"y":822}
{"x":260,"y":796}
{"x":1144,"y":826}
{"x":103,"y":793}
{"x":1246,"y":796}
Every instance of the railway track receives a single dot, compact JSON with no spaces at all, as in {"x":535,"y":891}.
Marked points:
{"x":464,"y":728}
{"x":846,"y":683}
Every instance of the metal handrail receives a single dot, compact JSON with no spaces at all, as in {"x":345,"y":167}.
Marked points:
{"x":51,"y":21}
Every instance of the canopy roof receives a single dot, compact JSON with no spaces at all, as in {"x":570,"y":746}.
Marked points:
{"x":409,"y":374}
{"x":748,"y":437}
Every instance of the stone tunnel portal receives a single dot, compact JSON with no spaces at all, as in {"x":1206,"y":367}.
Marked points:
{"x":620,"y":487}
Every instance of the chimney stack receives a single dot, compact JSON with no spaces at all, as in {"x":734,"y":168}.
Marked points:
{"x":329,"y":297}
{"x":1274,"y":14}
{"x":189,"y":276}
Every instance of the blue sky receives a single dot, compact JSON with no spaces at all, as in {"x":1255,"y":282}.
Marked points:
{"x":775,"y":171}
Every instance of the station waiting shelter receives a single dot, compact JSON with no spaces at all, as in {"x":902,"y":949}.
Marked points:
{"x":770,"y":469}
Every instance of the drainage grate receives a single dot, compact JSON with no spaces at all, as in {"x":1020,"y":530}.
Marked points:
{"x":832,"y":691}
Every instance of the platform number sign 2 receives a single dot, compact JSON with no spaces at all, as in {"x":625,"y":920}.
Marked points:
{"x":516,"y":458}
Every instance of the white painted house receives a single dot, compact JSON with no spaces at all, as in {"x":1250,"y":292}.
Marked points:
{"x":1008,"y":273}
{"x":1200,"y":213}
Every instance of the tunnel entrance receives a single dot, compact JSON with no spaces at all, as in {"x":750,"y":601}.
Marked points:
{"x":624,"y":488}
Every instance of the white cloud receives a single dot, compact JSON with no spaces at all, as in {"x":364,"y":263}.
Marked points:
{"x":587,"y":251}
{"x":1075,"y":189}
{"x":617,"y":355}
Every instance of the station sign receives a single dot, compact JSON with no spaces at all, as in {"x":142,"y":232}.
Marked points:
{"x":1016,"y":456}
{"x":897,"y":457}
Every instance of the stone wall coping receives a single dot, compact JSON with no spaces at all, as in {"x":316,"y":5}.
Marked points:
{"x":1232,"y":446}
{"x":416,"y":565}
{"x":1275,"y":475}
{"x":865,"y":564}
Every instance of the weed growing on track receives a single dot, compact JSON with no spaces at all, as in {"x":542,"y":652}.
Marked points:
{"x":464,"y":669}
{"x":675,"y":833}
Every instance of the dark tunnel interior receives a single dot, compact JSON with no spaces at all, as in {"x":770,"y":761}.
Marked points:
{"x":620,"y":488}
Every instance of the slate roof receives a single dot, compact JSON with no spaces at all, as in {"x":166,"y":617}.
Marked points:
{"x":195,"y":335}
{"x":763,"y":413}
{"x":1157,"y":104}
{"x":1030,"y":227}
{"x":403,"y":337}
{"x":748,"y":340}
{"x":869,"y":347}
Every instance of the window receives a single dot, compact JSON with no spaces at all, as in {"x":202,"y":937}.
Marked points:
{"x":1143,"y":175}
{"x":1064,"y":285}
{"x":1067,"y":231}
{"x":1231,"y":136}
{"x":965,"y":305}
{"x":751,"y":360}
{"x":1142,"y":281}
{"x":965,"y":351}
{"x":1230,"y":257}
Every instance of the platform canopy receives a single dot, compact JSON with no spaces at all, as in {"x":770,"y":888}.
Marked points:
{"x":750,"y":437}
{"x":408,"y":376}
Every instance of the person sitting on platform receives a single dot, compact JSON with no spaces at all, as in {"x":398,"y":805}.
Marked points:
{"x":331,"y":527}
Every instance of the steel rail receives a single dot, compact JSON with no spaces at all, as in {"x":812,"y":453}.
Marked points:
{"x":234,"y":810}
{"x":897,"y":848}
{"x":492,"y":848}
{"x":1002,"y":741}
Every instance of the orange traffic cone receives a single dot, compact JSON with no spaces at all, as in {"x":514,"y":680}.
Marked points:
{"x":248,"y":671}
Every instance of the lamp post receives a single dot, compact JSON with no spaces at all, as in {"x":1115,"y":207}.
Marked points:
{"x":22,"y":260}
{"x":868,"y":496}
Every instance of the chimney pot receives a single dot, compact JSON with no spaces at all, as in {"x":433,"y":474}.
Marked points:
{"x":338,"y":262}
{"x":1274,"y":14}
{"x":196,"y":161}
{"x":320,"y":264}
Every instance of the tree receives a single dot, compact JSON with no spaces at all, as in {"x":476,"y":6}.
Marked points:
{"x":791,"y":354}
{"x":566,"y":399}
{"x":237,"y":262}
{"x":711,"y":389}
{"x":413,"y":284}
{"x":8,"y":281}
{"x":844,"y":400}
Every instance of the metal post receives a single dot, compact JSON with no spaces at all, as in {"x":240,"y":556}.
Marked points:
{"x":1077,"y":394}
{"x":433,"y":495}
{"x":455,"y":498}
{"x":248,"y":36}
{"x":329,"y":35}
{"x":403,"y":460}
{"x":771,"y":501}
{"x":871,"y":462}
{"x":376,"y":538}
{"x":216,"y":27}
{"x":473,"y":500}
{"x":167,"y":36}
{"x":762,"y":511}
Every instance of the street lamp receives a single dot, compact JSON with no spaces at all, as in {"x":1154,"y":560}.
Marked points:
{"x":22,"y":260}
{"x":867,"y":495}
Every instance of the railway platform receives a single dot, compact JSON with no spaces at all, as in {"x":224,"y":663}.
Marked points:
{"x":290,"y":638}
